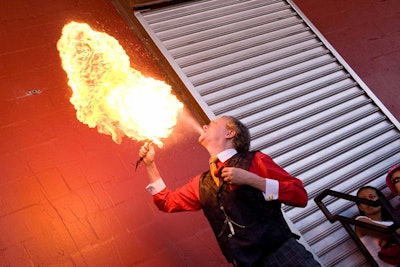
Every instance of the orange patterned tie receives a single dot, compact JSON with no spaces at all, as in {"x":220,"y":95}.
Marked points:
{"x":213,"y":168}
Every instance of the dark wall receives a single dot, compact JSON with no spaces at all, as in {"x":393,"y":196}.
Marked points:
{"x":366,"y":33}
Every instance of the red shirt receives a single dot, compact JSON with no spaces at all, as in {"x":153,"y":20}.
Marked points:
{"x":186,"y":198}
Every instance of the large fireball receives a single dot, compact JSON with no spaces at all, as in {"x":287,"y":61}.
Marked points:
{"x":110,"y":95}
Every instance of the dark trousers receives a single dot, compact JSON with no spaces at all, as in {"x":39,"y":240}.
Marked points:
{"x":290,"y":254}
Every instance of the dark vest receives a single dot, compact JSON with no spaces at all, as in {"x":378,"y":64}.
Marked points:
{"x":258,"y":225}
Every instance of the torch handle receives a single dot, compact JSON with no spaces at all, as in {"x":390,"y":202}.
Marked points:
{"x":138,"y":162}
{"x":141,"y":158}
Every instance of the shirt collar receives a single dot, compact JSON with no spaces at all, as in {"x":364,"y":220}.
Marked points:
{"x":226,"y":154}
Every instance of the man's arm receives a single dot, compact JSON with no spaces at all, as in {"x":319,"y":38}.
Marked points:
{"x":267,"y":176}
{"x":185,"y":198}
{"x":237,"y":176}
{"x":147,"y":154}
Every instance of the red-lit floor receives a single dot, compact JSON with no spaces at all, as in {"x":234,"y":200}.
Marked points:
{"x":69,"y":196}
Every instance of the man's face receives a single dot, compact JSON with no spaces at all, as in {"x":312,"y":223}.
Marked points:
{"x":214,"y":132}
{"x":395,"y":180}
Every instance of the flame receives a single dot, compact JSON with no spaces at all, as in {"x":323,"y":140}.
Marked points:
{"x":110,"y":95}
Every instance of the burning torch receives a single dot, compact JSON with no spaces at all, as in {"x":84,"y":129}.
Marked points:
{"x":141,"y":158}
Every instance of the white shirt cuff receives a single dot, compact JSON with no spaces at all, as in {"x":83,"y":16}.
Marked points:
{"x":156,"y":187}
{"x":271,"y":189}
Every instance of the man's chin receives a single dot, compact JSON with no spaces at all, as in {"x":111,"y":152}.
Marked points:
{"x":201,"y":139}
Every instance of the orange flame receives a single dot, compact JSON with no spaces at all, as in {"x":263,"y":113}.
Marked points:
{"x":109,"y":94}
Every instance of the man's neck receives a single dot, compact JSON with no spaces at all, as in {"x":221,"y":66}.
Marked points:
{"x":215,"y":149}
{"x":226,"y":154}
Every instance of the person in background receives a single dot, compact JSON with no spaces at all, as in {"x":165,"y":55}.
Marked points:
{"x":372,"y":240}
{"x":393,"y":182}
{"x":393,"y":179}
{"x":241,"y":198}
